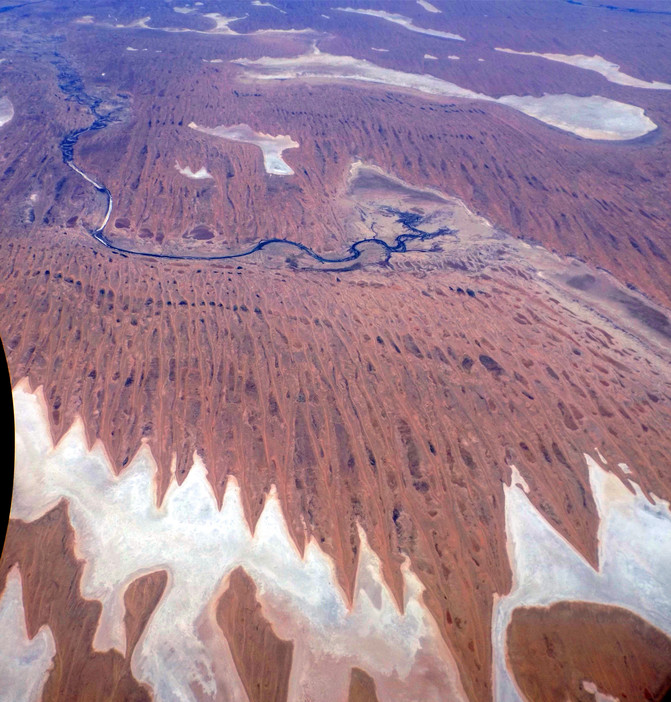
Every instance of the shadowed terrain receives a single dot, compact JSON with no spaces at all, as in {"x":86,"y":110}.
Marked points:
{"x":453,"y":289}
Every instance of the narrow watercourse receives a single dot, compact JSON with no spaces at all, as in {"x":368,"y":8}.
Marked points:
{"x":72,"y":86}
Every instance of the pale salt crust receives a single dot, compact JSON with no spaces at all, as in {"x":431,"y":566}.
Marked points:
{"x":272,"y":147}
{"x":6,"y":110}
{"x":120,"y":534}
{"x":609,"y":70}
{"x":428,"y":6}
{"x":198,"y":175}
{"x":24,"y":662}
{"x":258,"y":3}
{"x":221,"y":26}
{"x":516,"y":480}
{"x":403,"y":21}
{"x":634,"y":561}
{"x":592,"y":689}
{"x":592,"y":117}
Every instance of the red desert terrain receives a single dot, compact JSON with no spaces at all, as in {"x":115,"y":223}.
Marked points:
{"x":304,"y":327}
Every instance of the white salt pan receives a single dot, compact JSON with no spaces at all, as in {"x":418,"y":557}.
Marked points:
{"x":610,"y":71}
{"x":271,"y":146}
{"x":592,"y":117}
{"x":221,"y":26}
{"x":198,"y":175}
{"x":404,"y":22}
{"x":634,"y":562}
{"x":24,"y":662}
{"x":121,"y":533}
{"x":427,"y":6}
{"x":258,"y":3}
{"x":6,"y":110}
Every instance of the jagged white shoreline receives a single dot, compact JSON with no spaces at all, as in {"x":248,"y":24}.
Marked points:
{"x":634,"y":561}
{"x":24,"y":662}
{"x":121,"y":533}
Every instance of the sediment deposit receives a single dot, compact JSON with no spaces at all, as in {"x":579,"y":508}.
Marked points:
{"x":368,"y":423}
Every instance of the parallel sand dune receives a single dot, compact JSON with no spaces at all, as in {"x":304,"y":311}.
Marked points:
{"x":199,"y":544}
{"x":449,"y":472}
{"x":591,"y":117}
{"x":272,"y":147}
{"x":609,"y":70}
{"x":282,"y":477}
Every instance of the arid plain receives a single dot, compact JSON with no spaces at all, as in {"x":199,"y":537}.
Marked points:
{"x":339,"y":339}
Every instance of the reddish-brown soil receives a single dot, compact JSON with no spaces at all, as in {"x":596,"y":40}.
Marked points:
{"x":262,"y":659}
{"x":390,"y":392}
{"x":585,"y":199}
{"x":361,"y":687}
{"x":140,"y":599}
{"x":386,"y":391}
{"x":51,"y":574}
{"x":601,"y":202}
{"x":554,"y":650}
